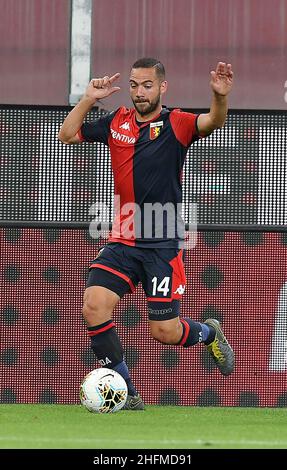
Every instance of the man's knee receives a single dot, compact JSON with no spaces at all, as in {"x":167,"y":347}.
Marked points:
{"x":98,"y":305}
{"x":166,"y":332}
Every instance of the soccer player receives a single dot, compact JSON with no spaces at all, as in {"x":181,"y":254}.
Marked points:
{"x":148,"y":145}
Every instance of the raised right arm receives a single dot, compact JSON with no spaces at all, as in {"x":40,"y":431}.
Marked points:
{"x":98,"y":88}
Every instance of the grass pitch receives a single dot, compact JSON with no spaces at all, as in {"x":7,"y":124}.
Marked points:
{"x":158,"y":427}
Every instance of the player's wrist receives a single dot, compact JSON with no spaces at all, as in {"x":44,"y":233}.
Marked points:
{"x":89,"y":100}
{"x":220,"y":96}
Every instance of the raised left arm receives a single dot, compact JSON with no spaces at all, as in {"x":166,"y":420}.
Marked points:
{"x":221,"y":84}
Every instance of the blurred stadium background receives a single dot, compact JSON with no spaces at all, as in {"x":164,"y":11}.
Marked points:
{"x":238,"y":269}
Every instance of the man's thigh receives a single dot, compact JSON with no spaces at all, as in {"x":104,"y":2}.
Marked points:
{"x":112,"y":269}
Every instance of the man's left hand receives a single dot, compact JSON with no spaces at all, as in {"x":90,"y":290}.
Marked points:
{"x":222,"y":79}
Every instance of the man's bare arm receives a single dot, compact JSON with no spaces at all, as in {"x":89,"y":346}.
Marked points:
{"x":98,"y":88}
{"x":221,"y":85}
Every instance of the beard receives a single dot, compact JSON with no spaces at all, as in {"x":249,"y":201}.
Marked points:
{"x":146,"y":107}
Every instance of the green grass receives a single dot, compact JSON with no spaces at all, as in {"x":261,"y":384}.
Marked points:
{"x":158,"y":427}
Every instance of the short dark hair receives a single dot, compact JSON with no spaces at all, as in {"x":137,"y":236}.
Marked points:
{"x":148,"y":63}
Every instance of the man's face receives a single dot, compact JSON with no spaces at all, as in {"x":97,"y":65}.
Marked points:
{"x":146,"y":90}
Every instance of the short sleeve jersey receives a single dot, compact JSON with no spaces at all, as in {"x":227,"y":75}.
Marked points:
{"x":147,"y":160}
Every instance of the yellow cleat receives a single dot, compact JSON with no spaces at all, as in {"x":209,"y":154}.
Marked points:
{"x":220,"y":350}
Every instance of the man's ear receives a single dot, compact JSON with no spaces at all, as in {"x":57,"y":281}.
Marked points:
{"x":163,"y":87}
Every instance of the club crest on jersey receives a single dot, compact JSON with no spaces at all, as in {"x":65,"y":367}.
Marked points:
{"x":155,"y":129}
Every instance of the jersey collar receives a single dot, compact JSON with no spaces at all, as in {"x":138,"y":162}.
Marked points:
{"x":145,"y":123}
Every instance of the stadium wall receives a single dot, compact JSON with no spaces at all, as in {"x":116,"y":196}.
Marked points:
{"x":238,"y":278}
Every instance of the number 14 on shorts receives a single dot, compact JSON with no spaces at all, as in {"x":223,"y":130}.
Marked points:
{"x":160,"y":286}
{"x":163,"y":287}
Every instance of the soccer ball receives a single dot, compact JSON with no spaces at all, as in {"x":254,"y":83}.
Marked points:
{"x":103,"y":391}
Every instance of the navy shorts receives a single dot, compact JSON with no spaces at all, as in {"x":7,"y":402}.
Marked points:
{"x":120,"y":268}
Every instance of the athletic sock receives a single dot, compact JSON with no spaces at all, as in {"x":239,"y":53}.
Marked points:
{"x":108,"y":349}
{"x":195,"y":332}
{"x":122,"y":369}
{"x":208,"y":333}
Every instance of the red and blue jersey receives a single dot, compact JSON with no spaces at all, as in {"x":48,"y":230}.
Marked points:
{"x":147,"y":160}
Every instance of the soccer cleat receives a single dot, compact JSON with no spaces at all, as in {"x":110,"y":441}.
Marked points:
{"x":134,"y":403}
{"x":219,"y":349}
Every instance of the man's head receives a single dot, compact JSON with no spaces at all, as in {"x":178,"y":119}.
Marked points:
{"x":147,"y":84}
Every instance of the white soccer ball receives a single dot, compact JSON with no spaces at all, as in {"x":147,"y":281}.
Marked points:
{"x":103,"y":391}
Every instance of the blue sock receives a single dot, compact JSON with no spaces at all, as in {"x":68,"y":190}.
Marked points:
{"x":208,"y":333}
{"x":191,"y":332}
{"x":122,"y":369}
{"x":195,"y":332}
{"x":205,"y":331}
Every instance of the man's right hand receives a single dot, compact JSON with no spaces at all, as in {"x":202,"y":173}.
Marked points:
{"x":99,"y":88}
